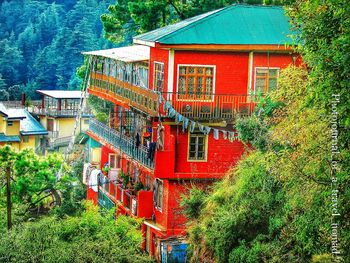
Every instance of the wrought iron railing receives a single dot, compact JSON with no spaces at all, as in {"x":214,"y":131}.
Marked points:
{"x":123,"y":143}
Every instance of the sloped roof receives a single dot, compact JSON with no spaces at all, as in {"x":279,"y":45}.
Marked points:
{"x":11,"y":114}
{"x":30,"y":126}
{"x":236,"y":25}
{"x":127,"y":54}
{"x":61,"y":94}
{"x":12,"y":138}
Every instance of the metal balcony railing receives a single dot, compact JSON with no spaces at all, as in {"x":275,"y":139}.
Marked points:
{"x":53,"y":112}
{"x":123,"y":143}
{"x":209,"y":106}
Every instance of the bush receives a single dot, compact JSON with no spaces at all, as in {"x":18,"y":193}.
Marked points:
{"x":91,"y":237}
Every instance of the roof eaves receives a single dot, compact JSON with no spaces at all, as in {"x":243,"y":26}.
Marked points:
{"x":24,"y":133}
{"x":143,"y":42}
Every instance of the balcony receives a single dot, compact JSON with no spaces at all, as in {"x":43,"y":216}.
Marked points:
{"x":121,"y":142}
{"x":54,"y":112}
{"x":122,"y":92}
{"x":211,"y":106}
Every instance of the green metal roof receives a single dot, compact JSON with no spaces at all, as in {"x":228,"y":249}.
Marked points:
{"x":29,"y":125}
{"x":12,"y":138}
{"x":236,"y":25}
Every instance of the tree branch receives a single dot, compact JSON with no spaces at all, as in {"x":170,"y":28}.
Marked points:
{"x":182,"y":16}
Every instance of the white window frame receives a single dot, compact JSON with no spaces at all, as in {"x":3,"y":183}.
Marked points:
{"x":160,"y":208}
{"x":268,"y":68}
{"x":154,"y":75}
{"x":195,"y":65}
{"x":206,"y":146}
{"x":116,"y":161}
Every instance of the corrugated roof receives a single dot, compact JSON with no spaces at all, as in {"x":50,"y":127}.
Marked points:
{"x":11,"y":114}
{"x":237,"y":25}
{"x":61,"y":94}
{"x":30,"y":126}
{"x":127,"y":54}
{"x":12,"y":138}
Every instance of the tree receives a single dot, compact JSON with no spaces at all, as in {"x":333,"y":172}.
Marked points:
{"x":34,"y":186}
{"x":91,"y":237}
{"x":127,"y":18}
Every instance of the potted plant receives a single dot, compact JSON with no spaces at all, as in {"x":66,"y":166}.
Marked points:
{"x":138,"y":186}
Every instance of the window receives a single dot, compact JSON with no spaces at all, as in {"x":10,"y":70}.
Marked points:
{"x":50,"y":124}
{"x":25,"y":139}
{"x":197,"y":147}
{"x":158,"y":76}
{"x":114,"y":161}
{"x":9,"y":123}
{"x":159,"y":194}
{"x":196,"y":82}
{"x":265,"y":80}
{"x":140,"y":73}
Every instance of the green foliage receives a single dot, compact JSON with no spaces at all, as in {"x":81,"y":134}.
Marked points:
{"x":193,"y":203}
{"x":34,"y":188}
{"x":91,"y":237}
{"x":254,"y":131}
{"x":138,"y":186}
{"x":41,"y":42}
{"x":127,"y":18}
{"x":273,"y":206}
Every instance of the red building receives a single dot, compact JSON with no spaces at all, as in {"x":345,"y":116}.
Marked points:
{"x":177,"y":93}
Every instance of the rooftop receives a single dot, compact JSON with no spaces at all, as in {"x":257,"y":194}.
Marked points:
{"x":30,"y":126}
{"x":11,"y":114}
{"x":237,"y":24}
{"x":61,"y":94}
{"x":126,"y":54}
{"x":12,"y":138}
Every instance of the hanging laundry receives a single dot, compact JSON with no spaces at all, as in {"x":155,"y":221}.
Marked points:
{"x":172,"y":112}
{"x":231,"y":136}
{"x":184,"y":124}
{"x":178,"y":118}
{"x":201,"y":128}
{"x":93,"y":180}
{"x":137,"y":140}
{"x":151,"y":150}
{"x":160,"y":137}
{"x":206,"y":130}
{"x":192,"y":126}
{"x":167,"y":106}
{"x":160,"y":97}
{"x":224,"y":134}
{"x":216,"y":134}
{"x":85,"y":173}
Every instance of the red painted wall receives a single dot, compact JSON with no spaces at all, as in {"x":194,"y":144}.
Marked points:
{"x":231,"y":69}
{"x":273,"y":60}
{"x":222,"y":155}
{"x":158,"y":55}
{"x":105,"y":151}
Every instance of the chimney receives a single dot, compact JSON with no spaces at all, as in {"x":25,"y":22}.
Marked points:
{"x":23,"y":99}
